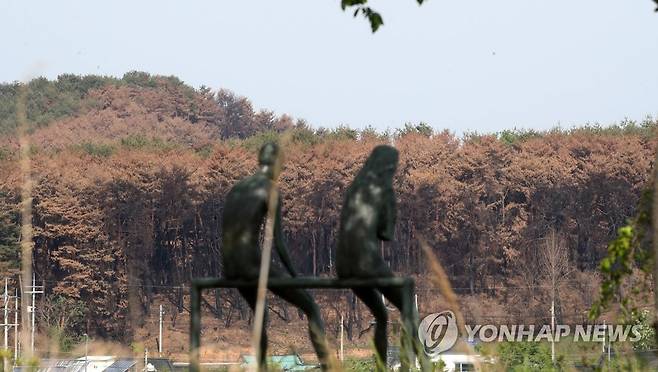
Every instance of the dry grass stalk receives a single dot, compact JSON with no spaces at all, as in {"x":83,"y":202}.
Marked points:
{"x":26,"y":214}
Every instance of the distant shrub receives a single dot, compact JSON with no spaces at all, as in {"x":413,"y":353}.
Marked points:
{"x":647,"y":341}
{"x":204,"y":151}
{"x":526,"y":356}
{"x":257,"y":140}
{"x":371,"y":132}
{"x":79,"y":86}
{"x":513,"y":136}
{"x":304,"y":135}
{"x":139,"y":141}
{"x":97,"y":149}
{"x":136,"y":347}
{"x":34,"y":149}
{"x":360,"y":365}
{"x":340,"y":133}
{"x":473,"y":137}
{"x":5,"y":153}
{"x":646,"y":128}
{"x":421,"y":128}
{"x":139,"y":78}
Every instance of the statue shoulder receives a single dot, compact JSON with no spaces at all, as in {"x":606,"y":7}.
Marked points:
{"x":243,"y":186}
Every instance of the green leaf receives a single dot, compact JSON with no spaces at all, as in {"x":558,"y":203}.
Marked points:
{"x":375,"y":19}
{"x":348,"y":3}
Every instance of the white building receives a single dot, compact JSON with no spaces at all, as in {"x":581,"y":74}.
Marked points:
{"x":456,"y":361}
{"x":97,"y":363}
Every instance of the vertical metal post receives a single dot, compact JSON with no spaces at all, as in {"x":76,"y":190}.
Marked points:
{"x":160,"y":337}
{"x":342,"y":355}
{"x":412,"y":323}
{"x":195,"y":327}
{"x":86,"y":350}
{"x":5,"y":363}
{"x":603,"y":344}
{"x":553,"y":331}
{"x":6,"y":298}
{"x":15,"y":325}
{"x":407,"y":325}
{"x":34,"y":287}
{"x":609,"y":344}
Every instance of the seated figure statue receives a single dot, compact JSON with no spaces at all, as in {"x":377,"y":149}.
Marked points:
{"x":368,"y":216}
{"x":245,"y":212}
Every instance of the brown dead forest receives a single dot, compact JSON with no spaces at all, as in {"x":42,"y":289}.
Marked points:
{"x":130,"y":175}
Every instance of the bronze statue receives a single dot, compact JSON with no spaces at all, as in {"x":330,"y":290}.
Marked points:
{"x":245,"y":212}
{"x":368,"y":216}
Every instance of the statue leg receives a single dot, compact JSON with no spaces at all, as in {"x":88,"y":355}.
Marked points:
{"x":301,"y":299}
{"x":395,"y":296}
{"x":249,"y":294}
{"x":410,"y":322}
{"x":373,"y":299}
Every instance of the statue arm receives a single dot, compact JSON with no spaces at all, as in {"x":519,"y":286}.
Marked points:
{"x":279,"y":242}
{"x":387,"y":217}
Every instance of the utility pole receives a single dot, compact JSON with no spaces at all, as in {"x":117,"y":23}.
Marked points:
{"x":33,"y":312}
{"x":342,"y":355}
{"x":160,"y":338}
{"x":34,"y":290}
{"x":6,"y":300}
{"x":609,"y":342}
{"x":553,"y":331}
{"x":86,"y":354}
{"x":15,"y":325}
{"x":603,"y":344}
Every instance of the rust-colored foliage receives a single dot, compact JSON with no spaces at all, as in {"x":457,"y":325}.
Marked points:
{"x":117,"y":225}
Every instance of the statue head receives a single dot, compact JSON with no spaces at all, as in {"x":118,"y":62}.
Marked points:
{"x":382,"y":162}
{"x":269,"y":160}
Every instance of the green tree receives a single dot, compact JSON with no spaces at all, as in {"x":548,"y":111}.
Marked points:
{"x":63,"y":318}
{"x":9,"y":236}
{"x":647,"y":339}
{"x":421,"y":128}
{"x":526,"y":356}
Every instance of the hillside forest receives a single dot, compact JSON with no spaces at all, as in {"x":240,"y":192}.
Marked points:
{"x":129,"y":176}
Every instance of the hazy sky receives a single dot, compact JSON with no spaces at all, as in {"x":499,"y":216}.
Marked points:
{"x":461,"y":65}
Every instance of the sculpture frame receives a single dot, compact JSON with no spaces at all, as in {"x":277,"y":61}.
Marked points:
{"x":199,"y":284}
